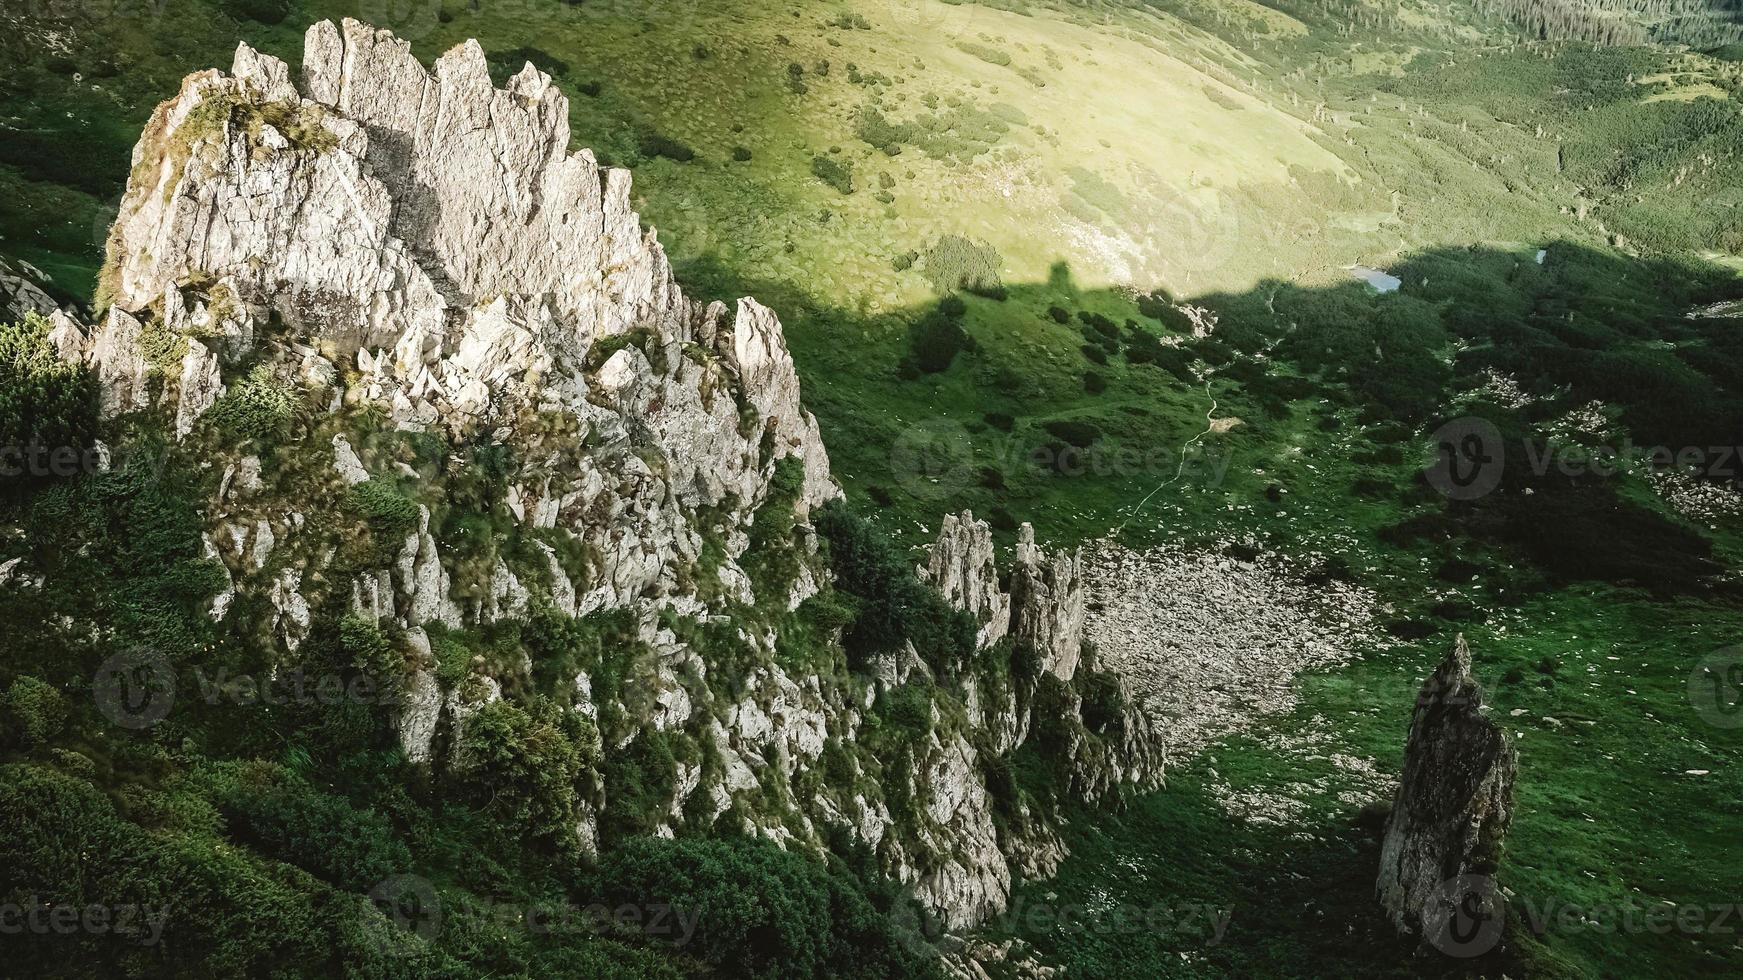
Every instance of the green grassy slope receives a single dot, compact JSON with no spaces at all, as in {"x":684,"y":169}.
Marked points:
{"x":1238,"y":156}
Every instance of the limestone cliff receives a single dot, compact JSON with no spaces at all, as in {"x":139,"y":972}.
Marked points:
{"x":436,"y":379}
{"x":1043,"y":618}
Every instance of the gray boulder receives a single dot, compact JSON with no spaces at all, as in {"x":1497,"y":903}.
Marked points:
{"x":1455,"y":800}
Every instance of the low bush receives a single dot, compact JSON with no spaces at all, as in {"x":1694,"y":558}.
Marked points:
{"x":655,"y":144}
{"x":934,"y":341}
{"x":835,"y":173}
{"x":1075,"y":432}
{"x":259,"y":408}
{"x":894,"y":606}
{"x":44,"y":401}
{"x":761,"y":911}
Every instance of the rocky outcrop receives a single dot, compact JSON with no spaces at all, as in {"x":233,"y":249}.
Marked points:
{"x":1098,"y":752}
{"x":20,"y":292}
{"x":962,"y":566}
{"x":505,"y":409}
{"x":1047,"y":598}
{"x":433,"y":249}
{"x":974,"y":880}
{"x":1454,"y":801}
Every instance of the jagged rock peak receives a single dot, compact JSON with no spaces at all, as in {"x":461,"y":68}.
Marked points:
{"x":432,"y":189}
{"x":1047,"y":594}
{"x":1045,"y":607}
{"x":1454,"y":802}
{"x":425,"y":224}
{"x":962,"y":565}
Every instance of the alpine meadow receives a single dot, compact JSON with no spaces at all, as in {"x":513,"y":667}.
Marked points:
{"x":954,"y":489}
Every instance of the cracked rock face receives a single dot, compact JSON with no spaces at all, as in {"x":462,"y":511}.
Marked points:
{"x":434,"y":249}
{"x":1047,"y":594}
{"x":20,"y":292}
{"x":420,"y":247}
{"x":962,"y":566}
{"x":1454,"y":802}
{"x":1045,"y":612}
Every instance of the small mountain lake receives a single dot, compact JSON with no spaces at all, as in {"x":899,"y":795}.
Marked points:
{"x":1384,"y":282}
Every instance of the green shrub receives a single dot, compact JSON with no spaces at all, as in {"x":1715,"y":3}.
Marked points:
{"x":834,"y":173}
{"x":934,"y":341}
{"x":958,"y":134}
{"x":509,"y":63}
{"x":908,"y":706}
{"x":261,"y":11}
{"x":524,"y":763}
{"x":321,"y":833}
{"x":894,"y":606}
{"x":761,"y":911}
{"x":44,"y":402}
{"x":453,"y":656}
{"x":390,"y":515}
{"x":1074,"y":431}
{"x":640,"y":779}
{"x":655,"y":144}
{"x":33,"y":712}
{"x":369,"y":652}
{"x":955,"y":262}
{"x":771,"y":558}
{"x":259,"y":408}
{"x":986,"y":53}
{"x":741,"y":154}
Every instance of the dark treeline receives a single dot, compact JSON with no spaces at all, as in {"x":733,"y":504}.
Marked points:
{"x":1697,"y":23}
